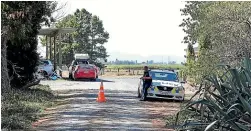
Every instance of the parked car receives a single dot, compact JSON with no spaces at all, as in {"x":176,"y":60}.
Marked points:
{"x":165,"y":85}
{"x":45,"y":68}
{"x":81,"y":69}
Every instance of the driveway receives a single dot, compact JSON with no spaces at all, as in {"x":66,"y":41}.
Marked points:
{"x":122,"y":111}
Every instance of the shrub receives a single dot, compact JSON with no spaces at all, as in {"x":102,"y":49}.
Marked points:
{"x":224,"y":102}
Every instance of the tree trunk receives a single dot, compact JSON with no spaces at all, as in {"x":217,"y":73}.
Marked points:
{"x":5,"y":77}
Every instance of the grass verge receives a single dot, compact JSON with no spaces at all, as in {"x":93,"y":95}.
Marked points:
{"x":22,"y":107}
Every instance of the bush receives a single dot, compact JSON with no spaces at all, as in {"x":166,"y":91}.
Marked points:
{"x":224,"y":102}
{"x":22,"y":107}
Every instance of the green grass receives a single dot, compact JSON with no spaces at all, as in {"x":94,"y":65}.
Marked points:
{"x":22,"y":107}
{"x":140,"y":67}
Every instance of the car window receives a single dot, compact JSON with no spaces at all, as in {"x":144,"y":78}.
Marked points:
{"x":73,"y":63}
{"x":82,"y":62}
{"x":164,"y":76}
{"x":46,"y":62}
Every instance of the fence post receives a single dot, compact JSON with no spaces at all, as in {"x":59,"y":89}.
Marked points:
{"x":118,"y":71}
{"x":133,"y":71}
{"x":129,"y":71}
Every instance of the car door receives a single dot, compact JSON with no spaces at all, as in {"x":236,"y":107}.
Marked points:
{"x":48,"y":67}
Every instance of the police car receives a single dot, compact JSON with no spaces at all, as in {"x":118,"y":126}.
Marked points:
{"x":165,"y":85}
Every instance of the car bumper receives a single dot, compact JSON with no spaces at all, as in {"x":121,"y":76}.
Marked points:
{"x":82,"y":75}
{"x":174,"y":95}
{"x":168,"y":97}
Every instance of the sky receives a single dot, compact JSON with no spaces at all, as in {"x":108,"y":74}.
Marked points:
{"x":137,"y":27}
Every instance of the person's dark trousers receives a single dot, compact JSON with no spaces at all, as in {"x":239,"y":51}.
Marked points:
{"x":145,"y":87}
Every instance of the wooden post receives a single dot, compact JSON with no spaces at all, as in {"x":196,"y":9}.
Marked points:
{"x":59,"y":52}
{"x":103,"y":70}
{"x":133,"y":72}
{"x":55,"y":64}
{"x":50,"y":49}
{"x":118,"y":71}
{"x":46,"y":46}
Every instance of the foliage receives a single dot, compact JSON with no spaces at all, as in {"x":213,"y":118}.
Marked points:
{"x":23,"y":20}
{"x":224,"y":102}
{"x":140,"y":67}
{"x":22,"y":107}
{"x":222,"y":30}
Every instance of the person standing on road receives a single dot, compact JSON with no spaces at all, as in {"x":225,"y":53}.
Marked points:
{"x":147,"y":81}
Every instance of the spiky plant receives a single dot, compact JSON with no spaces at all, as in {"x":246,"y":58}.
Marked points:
{"x":223,"y":103}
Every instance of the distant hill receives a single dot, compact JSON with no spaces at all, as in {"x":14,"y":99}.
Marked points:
{"x":139,"y":58}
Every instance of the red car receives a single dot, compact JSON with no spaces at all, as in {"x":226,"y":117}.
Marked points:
{"x":81,"y":69}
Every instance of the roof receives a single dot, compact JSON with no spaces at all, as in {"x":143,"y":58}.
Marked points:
{"x":53,"y":31}
{"x":166,"y":71}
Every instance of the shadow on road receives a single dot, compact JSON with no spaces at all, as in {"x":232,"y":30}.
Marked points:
{"x":88,"y":80}
{"x":121,"y":111}
{"x":165,"y":100}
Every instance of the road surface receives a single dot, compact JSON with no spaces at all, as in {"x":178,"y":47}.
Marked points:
{"x":122,"y":111}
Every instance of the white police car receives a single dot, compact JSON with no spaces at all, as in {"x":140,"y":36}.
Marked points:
{"x":165,"y":85}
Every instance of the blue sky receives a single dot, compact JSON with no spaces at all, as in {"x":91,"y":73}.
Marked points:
{"x":138,"y":27}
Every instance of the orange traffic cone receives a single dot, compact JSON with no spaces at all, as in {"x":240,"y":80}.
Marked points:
{"x":101,"y":94}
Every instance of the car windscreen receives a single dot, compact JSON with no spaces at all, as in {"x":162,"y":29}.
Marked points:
{"x":84,"y":66}
{"x":82,"y":62}
{"x":165,"y":76}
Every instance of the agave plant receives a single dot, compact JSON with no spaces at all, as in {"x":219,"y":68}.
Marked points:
{"x":223,"y":103}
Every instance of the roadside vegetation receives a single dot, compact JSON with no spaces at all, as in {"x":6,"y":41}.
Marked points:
{"x":21,"y":107}
{"x":222,"y":68}
{"x":22,"y":98}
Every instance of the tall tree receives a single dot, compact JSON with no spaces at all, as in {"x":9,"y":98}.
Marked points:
{"x":89,"y":37}
{"x":23,"y":19}
{"x":222,"y":30}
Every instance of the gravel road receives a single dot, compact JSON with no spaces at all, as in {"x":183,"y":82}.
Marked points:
{"x":122,"y":111}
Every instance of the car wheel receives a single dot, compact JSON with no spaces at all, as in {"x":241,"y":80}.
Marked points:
{"x":138,"y":93}
{"x":183,"y":98}
{"x":45,"y":74}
